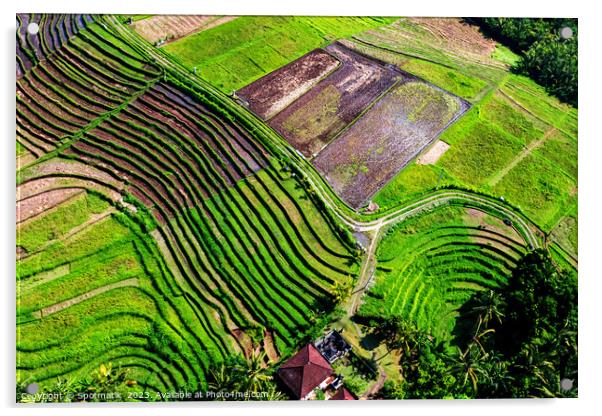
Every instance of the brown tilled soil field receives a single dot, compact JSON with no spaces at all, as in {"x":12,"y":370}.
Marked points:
{"x":387,"y":137}
{"x":273,"y":92}
{"x":44,"y":201}
{"x":311,"y":121}
{"x":174,"y":27}
{"x":454,"y":34}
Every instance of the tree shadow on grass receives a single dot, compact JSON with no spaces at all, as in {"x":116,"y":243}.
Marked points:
{"x":371,"y":341}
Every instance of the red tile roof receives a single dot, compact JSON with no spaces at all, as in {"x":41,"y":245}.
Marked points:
{"x":342,"y":394}
{"x":305,"y":371}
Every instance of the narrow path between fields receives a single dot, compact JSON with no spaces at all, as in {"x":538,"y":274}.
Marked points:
{"x":501,"y":209}
{"x":40,"y":204}
{"x":366,"y":273}
{"x":74,"y":301}
{"x":526,"y":152}
{"x":399,"y":214}
{"x":94,"y":218}
{"x":522,"y":107}
{"x":375,"y":388}
{"x":28,"y":283}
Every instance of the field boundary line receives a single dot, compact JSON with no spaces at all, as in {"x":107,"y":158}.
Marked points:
{"x":49,"y":310}
{"x":349,"y":125}
{"x":209,"y":25}
{"x":94,"y":219}
{"x":311,"y":174}
{"x":519,"y":158}
{"x":46,"y":276}
{"x":522,"y":107}
{"x":75,"y":193}
{"x":68,"y":140}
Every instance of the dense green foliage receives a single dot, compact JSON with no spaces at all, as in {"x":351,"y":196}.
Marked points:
{"x":547,"y":57}
{"x":103,"y":384}
{"x":242,"y":379}
{"x":519,"y":341}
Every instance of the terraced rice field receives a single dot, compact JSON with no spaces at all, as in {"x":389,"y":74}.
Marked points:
{"x":102,"y":295}
{"x":168,"y":237}
{"x":503,"y":145}
{"x":55,"y":31}
{"x":76,"y":87}
{"x":163,"y":228}
{"x":429,"y":265}
{"x":444,"y":51}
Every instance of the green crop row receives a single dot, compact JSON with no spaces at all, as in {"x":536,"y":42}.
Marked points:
{"x":430,"y":264}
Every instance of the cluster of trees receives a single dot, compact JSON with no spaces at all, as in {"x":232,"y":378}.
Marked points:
{"x":520,"y":341}
{"x":247,"y":376}
{"x":104,"y":384}
{"x":546,"y":56}
{"x":236,"y":378}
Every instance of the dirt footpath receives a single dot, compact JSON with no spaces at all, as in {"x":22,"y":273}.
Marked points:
{"x":432,"y":155}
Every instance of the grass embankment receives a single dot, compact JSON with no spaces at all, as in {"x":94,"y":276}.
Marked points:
{"x":55,"y":223}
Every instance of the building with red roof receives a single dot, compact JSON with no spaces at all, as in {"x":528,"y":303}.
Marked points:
{"x":304,"y":372}
{"x":342,"y":394}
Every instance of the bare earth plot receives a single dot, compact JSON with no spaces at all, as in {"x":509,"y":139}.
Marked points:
{"x":44,"y":201}
{"x":386,"y":138}
{"x":275,"y":91}
{"x":311,"y":104}
{"x":432,"y":155}
{"x":311,"y":122}
{"x":173,"y":27}
{"x":456,"y":35}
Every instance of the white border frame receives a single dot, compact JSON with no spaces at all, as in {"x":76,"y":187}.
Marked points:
{"x":589,"y":172}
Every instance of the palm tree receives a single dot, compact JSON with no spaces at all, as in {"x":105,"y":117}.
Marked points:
{"x":490,"y":308}
{"x":255,"y":373}
{"x":104,"y":379}
{"x":249,"y":376}
{"x":221,"y":380}
{"x":273,"y":394}
{"x":341,"y":291}
{"x":470,"y":365}
{"x":534,"y":364}
{"x":499,"y":380}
